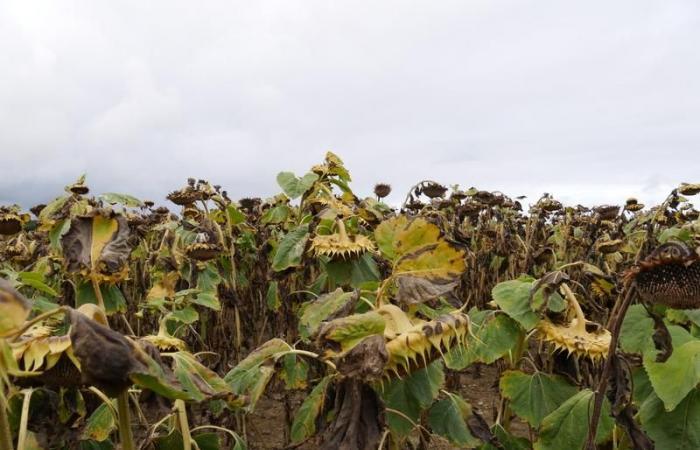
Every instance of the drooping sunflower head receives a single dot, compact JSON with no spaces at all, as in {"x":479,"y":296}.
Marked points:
{"x":670,"y":276}
{"x":10,"y":222}
{"x":340,"y":245}
{"x":578,"y":337}
{"x":185,"y":196}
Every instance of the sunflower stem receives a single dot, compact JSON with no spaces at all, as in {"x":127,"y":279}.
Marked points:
{"x":126,"y":437}
{"x":98,"y":293}
{"x":24,"y":419}
{"x":183,"y":424}
{"x":5,"y":436}
{"x":580,"y":317}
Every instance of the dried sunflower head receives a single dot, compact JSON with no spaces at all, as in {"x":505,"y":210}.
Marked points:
{"x":578,"y":337}
{"x":185,"y":196}
{"x":382,"y":190}
{"x":689,"y":189}
{"x":340,"y":244}
{"x":607,"y":212}
{"x":202,"y":251}
{"x":633,"y":205}
{"x":670,"y":276}
{"x":434,"y":190}
{"x":10,"y":223}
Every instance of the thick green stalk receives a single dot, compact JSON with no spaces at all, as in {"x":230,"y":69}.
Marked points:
{"x":126,"y":437}
{"x":183,"y":424}
{"x":5,"y":437}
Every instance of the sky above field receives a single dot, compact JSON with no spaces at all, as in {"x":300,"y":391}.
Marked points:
{"x":593,"y":101}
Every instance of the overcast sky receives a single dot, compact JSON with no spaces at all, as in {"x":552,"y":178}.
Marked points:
{"x":592,"y":101}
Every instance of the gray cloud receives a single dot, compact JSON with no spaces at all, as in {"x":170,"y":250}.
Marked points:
{"x":591,"y":101}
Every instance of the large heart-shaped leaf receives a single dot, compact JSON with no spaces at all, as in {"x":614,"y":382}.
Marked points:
{"x":411,"y":396}
{"x":14,"y":309}
{"x":294,"y":186}
{"x":291,"y":249}
{"x":678,"y":429}
{"x":674,"y":379}
{"x":495,"y":335}
{"x":448,"y":418}
{"x":533,"y":397}
{"x":567,"y":426}
{"x":513,"y":297}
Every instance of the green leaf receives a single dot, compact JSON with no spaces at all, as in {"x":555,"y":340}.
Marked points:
{"x":278,"y":214}
{"x":123,"y":199}
{"x":207,"y":441}
{"x":513,"y":297}
{"x":674,"y":379}
{"x":496,"y":335}
{"x":533,"y":397}
{"x":304,"y":425}
{"x":251,"y":375}
{"x":353,"y":272}
{"x":508,"y":441}
{"x":294,"y":186}
{"x":320,"y":309}
{"x":675,"y":430}
{"x":111,"y":294}
{"x":448,"y":418}
{"x":637,"y":330}
{"x":36,"y":281}
{"x":100,"y":424}
{"x":198,"y":381}
{"x":294,"y":372}
{"x":291,"y":249}
{"x":567,"y":426}
{"x":186,"y":315}
{"x":235,"y":216}
{"x":272,"y":298}
{"x":411,"y":396}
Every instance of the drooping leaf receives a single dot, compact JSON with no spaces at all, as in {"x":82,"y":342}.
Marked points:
{"x":272,"y":297}
{"x":294,"y":372}
{"x":425,"y":265}
{"x":291,"y":249}
{"x":400,"y":235}
{"x":447,"y":417}
{"x":323,"y":308}
{"x":97,"y":244}
{"x":340,"y":335}
{"x":100,"y":424}
{"x":567,"y":426}
{"x":14,"y":309}
{"x":197,"y":380}
{"x":675,"y":430}
{"x":304,"y":424}
{"x":533,"y":397}
{"x":251,"y":375}
{"x":411,"y":396}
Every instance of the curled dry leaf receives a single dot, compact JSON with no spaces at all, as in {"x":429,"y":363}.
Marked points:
{"x":98,"y":245}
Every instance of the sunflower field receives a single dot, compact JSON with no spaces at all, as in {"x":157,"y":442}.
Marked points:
{"x":321,"y":319}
